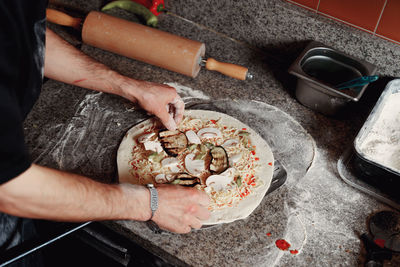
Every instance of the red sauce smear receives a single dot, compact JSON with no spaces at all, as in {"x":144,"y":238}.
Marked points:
{"x":282,"y":244}
{"x":380,"y":242}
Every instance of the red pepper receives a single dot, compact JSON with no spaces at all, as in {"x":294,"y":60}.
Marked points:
{"x":282,"y":244}
{"x":294,"y":251}
{"x":155,"y":6}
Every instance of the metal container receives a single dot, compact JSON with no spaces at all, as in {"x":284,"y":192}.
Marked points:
{"x":368,"y":164}
{"x":319,"y":69}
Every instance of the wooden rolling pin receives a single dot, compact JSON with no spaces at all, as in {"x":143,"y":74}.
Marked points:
{"x":146,"y":44}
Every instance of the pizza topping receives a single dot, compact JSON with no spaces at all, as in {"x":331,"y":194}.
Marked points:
{"x":186,"y":179}
{"x":209,"y":133}
{"x":243,"y":133}
{"x":173,"y":142}
{"x":155,"y":157}
{"x":192,"y":137}
{"x":223,"y":164}
{"x":235,"y":158}
{"x":219,"y":160}
{"x":194,"y":166}
{"x":153,"y":146}
{"x":229,"y":172}
{"x":239,"y":181}
{"x":145,"y":137}
{"x":163,"y":178}
{"x":219,"y":182}
{"x":230,"y":143}
{"x":171,"y":164}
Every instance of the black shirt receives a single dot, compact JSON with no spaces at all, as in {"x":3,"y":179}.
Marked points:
{"x":22,"y":37}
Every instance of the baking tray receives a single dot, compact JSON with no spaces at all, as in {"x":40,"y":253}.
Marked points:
{"x":368,"y":165}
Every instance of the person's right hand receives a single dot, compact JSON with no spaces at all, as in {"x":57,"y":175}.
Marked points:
{"x":181,"y":208}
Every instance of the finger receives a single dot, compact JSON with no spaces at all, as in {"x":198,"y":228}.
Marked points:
{"x":196,"y":223}
{"x":179,"y":106}
{"x":203,"y":199}
{"x":167,"y":120}
{"x":202,"y":213}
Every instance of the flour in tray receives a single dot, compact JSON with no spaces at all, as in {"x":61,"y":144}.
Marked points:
{"x":382,"y":144}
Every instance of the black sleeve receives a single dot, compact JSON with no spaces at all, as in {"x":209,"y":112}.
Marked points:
{"x":14,"y":157}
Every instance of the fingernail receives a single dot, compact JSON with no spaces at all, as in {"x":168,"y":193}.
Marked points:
{"x":171,"y":125}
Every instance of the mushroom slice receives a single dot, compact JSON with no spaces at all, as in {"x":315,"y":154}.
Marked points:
{"x":194,"y":166}
{"x":209,"y":133}
{"x":173,"y":142}
{"x":235,"y":158}
{"x":192,"y":137}
{"x":229,"y":172}
{"x":218,"y":182}
{"x":161,"y":178}
{"x":219,"y":160}
{"x":230,"y":143}
{"x":170,"y":163}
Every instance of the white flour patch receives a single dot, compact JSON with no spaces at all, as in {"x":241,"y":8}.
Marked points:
{"x":187,"y":92}
{"x":382,"y":143}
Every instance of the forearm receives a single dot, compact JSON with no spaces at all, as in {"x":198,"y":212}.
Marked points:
{"x":54,"y":195}
{"x":65,"y":63}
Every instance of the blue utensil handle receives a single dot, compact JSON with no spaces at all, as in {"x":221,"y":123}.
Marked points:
{"x":357,"y":82}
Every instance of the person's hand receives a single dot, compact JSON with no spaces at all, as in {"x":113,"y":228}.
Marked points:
{"x":181,"y":208}
{"x":159,"y":99}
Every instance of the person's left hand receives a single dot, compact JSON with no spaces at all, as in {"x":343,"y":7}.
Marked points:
{"x":159,"y":99}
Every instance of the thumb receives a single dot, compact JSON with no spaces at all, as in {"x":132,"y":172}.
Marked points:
{"x":167,"y":120}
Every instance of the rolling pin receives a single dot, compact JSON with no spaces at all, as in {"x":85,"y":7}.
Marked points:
{"x":146,"y":44}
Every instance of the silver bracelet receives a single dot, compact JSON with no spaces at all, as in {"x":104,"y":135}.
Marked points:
{"x":153,"y":199}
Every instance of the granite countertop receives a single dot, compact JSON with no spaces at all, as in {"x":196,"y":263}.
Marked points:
{"x":79,"y":130}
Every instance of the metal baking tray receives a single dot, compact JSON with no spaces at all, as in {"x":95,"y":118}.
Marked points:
{"x":367,"y":163}
{"x":319,"y":69}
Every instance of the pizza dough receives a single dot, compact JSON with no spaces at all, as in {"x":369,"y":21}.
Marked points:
{"x":228,"y":214}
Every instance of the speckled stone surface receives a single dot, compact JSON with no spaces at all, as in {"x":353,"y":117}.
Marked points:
{"x":78,"y":130}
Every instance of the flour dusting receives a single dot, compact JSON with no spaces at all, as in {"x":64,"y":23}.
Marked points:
{"x":187,"y":92}
{"x":382,"y":144}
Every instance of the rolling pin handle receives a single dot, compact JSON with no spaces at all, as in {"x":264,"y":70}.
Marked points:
{"x":63,"y":19}
{"x":231,"y":70}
